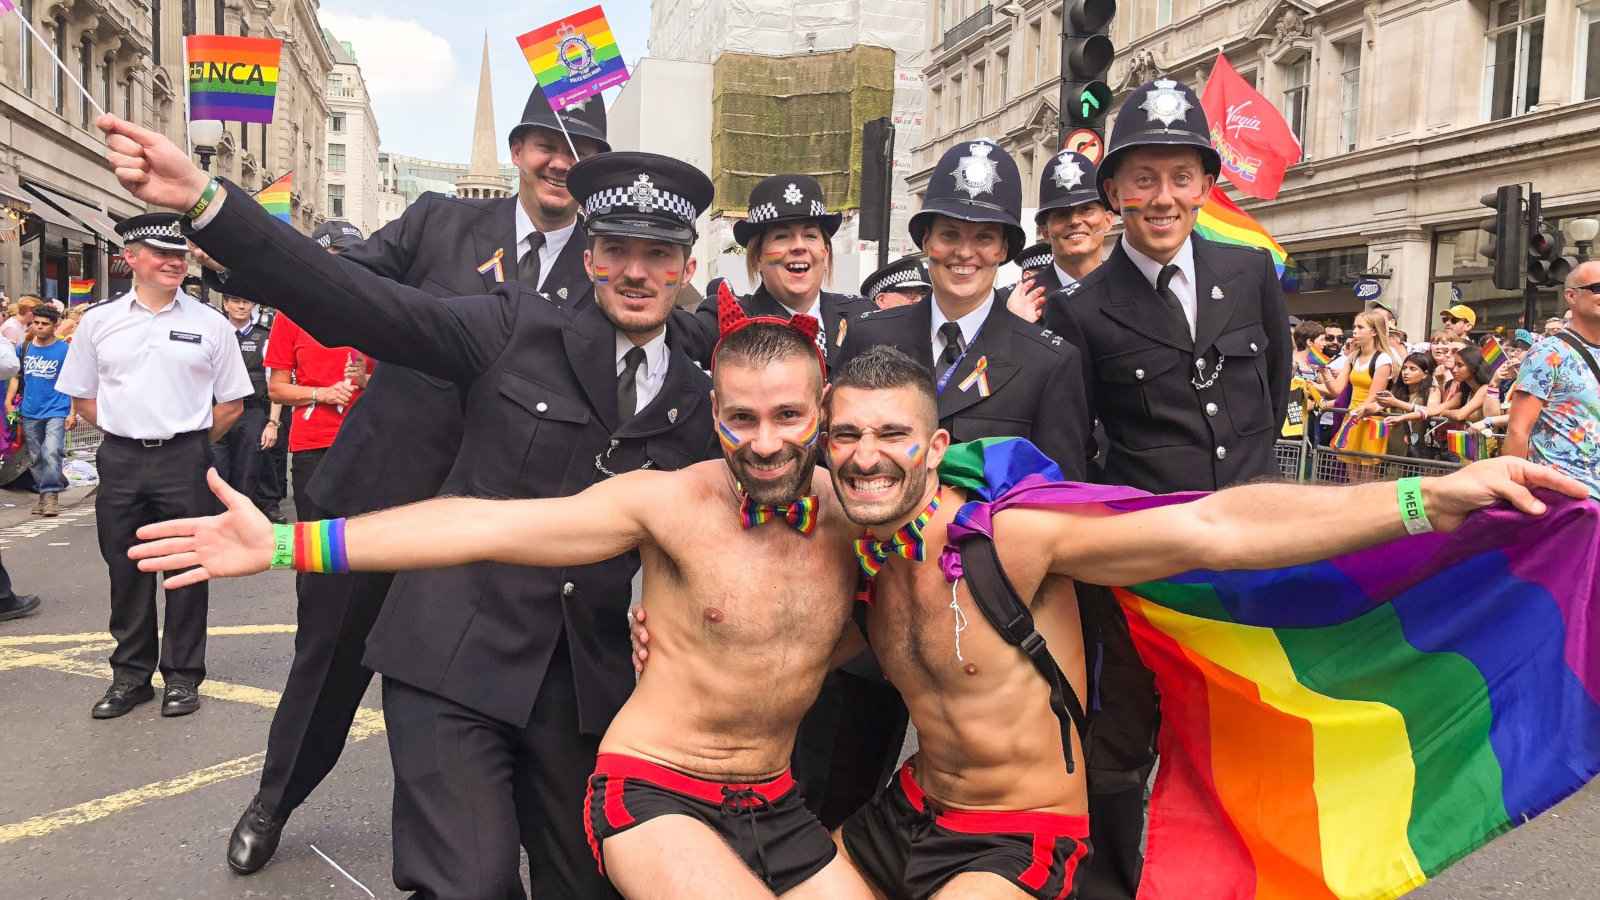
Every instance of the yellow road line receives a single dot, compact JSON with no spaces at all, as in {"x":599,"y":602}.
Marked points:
{"x":24,"y":640}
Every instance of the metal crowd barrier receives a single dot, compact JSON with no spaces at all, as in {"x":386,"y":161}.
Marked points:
{"x":83,"y":441}
{"x":1303,"y":459}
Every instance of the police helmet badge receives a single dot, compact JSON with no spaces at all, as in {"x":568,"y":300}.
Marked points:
{"x":642,"y":194}
{"x":1166,"y":104}
{"x":575,"y":53}
{"x":1068,"y":173}
{"x":792,"y":195}
{"x":976,"y":173}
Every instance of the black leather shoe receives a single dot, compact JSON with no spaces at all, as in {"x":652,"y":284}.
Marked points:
{"x":254,"y":839}
{"x":122,"y":697}
{"x":18,"y":606}
{"x":179,"y":699}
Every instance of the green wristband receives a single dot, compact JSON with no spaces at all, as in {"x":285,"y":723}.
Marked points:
{"x":1409,"y":492}
{"x":206,"y":197}
{"x":283,"y":546}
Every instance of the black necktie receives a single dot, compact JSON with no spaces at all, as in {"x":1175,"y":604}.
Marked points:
{"x":628,"y":384}
{"x":954,"y":345}
{"x":1163,"y":287}
{"x":528,"y":264}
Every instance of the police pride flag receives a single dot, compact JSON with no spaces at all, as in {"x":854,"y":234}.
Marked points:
{"x":1255,"y":142}
{"x":232,"y":78}
{"x":574,"y":58}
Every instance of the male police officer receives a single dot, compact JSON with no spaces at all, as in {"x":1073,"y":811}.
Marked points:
{"x":238,"y":454}
{"x":1073,"y":219}
{"x":900,"y":283}
{"x":399,"y":442}
{"x":498,"y":680}
{"x":160,"y":374}
{"x":787,"y":236}
{"x":1186,"y":344}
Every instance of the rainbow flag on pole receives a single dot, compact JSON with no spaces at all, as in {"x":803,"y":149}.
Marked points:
{"x":1348,"y":728}
{"x":1222,"y":220}
{"x":79,"y":289}
{"x":574,"y":57}
{"x":275,"y":196}
{"x":232,"y":78}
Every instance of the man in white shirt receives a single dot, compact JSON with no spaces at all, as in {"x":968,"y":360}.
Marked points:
{"x":162,"y":376}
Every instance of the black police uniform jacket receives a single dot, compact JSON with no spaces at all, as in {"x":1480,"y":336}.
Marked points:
{"x":437,"y":245}
{"x":1036,"y":388}
{"x":1165,"y":431}
{"x":541,"y":420}
{"x":696,"y":332}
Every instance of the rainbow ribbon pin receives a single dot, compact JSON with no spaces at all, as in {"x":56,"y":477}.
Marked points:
{"x":493,"y":264}
{"x":978,"y":376}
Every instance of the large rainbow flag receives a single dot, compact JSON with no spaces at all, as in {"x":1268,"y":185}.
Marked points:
{"x":1348,"y":728}
{"x":574,"y":57}
{"x":275,"y":196}
{"x":1222,"y":220}
{"x":232,"y":78}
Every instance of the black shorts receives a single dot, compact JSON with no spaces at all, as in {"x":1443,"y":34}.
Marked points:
{"x":767,"y":824}
{"x":909,"y":848}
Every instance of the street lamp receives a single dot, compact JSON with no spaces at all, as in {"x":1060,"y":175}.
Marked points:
{"x":204,"y":136}
{"x":1582,"y":232}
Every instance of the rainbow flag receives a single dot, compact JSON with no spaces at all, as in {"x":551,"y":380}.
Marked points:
{"x":232,"y":78}
{"x":1221,"y":220}
{"x":1492,"y":353}
{"x":1316,"y":357}
{"x":574,"y":57}
{"x":275,"y":196}
{"x":79,"y":290}
{"x":1351,"y":727}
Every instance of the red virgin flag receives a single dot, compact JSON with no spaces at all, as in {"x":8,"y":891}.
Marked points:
{"x":1254,"y":140}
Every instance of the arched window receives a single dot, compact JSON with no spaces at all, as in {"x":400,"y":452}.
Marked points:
{"x":86,"y":74}
{"x":105,"y":85}
{"x":155,"y":32}
{"x":190,"y":22}
{"x":27,"y":51}
{"x":60,"y":100}
{"x":219,"y":18}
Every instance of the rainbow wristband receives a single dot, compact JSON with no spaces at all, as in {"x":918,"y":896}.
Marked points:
{"x":1412,"y":514}
{"x":310,"y":547}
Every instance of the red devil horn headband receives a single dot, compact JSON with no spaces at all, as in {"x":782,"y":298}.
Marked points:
{"x":731,"y":318}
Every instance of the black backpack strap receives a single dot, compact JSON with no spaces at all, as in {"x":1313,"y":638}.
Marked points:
{"x":992,"y":590}
{"x":1583,"y":352}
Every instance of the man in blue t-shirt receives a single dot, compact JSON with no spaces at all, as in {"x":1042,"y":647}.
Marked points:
{"x":1555,"y":405}
{"x":46,"y":412}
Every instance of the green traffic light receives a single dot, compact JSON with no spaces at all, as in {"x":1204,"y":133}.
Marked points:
{"x":1090,"y":102}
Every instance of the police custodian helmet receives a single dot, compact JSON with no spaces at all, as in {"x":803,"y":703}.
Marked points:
{"x":1068,"y":180}
{"x":975,"y":181}
{"x":1163,"y":113}
{"x":640,"y":195}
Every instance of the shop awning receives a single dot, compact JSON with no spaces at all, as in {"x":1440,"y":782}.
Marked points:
{"x":12,"y":191}
{"x":87,"y":216}
{"x":56,"y":222}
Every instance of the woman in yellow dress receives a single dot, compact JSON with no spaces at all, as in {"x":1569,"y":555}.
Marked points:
{"x":1366,"y":369}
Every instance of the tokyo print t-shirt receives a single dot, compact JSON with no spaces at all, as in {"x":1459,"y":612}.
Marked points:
{"x":41,"y":366}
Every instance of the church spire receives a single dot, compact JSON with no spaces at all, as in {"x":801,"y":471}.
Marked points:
{"x":483,"y":172}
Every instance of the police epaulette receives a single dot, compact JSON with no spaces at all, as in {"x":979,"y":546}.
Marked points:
{"x":1044,"y":336}
{"x":98,"y":304}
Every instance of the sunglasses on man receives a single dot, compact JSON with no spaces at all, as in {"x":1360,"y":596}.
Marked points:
{"x":1591,"y":288}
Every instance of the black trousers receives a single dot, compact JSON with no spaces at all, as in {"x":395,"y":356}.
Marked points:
{"x":238,"y":455}
{"x":140,"y":485}
{"x":469,"y":790}
{"x":273,"y":473}
{"x":305,"y":468}
{"x":848,"y":744}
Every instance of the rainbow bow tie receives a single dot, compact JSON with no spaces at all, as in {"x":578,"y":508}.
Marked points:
{"x":872,"y":553}
{"x":801,"y":514}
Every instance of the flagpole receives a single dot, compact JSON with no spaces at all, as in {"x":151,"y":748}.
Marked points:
{"x":59,"y":64}
{"x":188,"y":146}
{"x":562,"y":122}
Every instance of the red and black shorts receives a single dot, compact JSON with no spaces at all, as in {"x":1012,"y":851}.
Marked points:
{"x":909,"y":848}
{"x":767,"y":823}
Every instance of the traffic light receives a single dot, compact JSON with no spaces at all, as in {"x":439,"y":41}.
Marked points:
{"x":1086,"y":54}
{"x":1505,"y":236}
{"x":1546,"y":265}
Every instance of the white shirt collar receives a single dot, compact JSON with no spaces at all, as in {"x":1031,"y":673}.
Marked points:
{"x":655,"y":355}
{"x":132,"y":298}
{"x":554,"y":241}
{"x":1152,"y":269}
{"x":1061,"y":274}
{"x":969,"y":323}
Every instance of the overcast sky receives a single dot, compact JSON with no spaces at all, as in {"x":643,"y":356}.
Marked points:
{"x":420,"y":60}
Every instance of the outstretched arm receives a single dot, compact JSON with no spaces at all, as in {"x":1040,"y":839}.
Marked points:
{"x":604,"y":521}
{"x":1266,"y":526}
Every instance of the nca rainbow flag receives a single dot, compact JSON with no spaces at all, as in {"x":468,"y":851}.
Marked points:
{"x":1347,"y":728}
{"x":574,"y":57}
{"x":234,"y":79}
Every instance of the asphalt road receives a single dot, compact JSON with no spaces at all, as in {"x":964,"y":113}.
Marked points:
{"x":141,"y":806}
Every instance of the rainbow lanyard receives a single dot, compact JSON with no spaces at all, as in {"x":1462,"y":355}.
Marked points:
{"x":907,"y":541}
{"x":945,"y":378}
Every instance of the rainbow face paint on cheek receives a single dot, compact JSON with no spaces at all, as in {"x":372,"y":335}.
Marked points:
{"x":672,"y":278}
{"x":773,"y":257}
{"x":730,"y":441}
{"x":602,"y":274}
{"x":916,"y":454}
{"x":1132,"y":206}
{"x":809,"y":439}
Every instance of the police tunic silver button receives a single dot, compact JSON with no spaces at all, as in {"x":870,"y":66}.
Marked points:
{"x":568,"y":589}
{"x":1139,"y":374}
{"x":1252,"y":346}
{"x":1222,"y":453}
{"x":1211,"y":409}
{"x":541,"y":406}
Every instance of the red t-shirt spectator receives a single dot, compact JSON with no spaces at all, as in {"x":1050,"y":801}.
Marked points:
{"x":290,"y":349}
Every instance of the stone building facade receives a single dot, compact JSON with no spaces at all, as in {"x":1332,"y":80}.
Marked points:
{"x":354,"y":177}
{"x":1408,"y":112}
{"x":129,"y":54}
